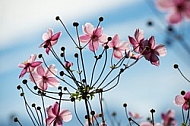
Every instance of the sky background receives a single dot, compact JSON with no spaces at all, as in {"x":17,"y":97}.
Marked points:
{"x":143,"y":86}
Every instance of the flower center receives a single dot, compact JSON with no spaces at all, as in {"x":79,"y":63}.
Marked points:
{"x":94,"y":37}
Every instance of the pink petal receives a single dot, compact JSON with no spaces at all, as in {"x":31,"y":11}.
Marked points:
{"x":98,"y":32}
{"x":139,"y":35}
{"x":103,"y":38}
{"x":93,"y":46}
{"x":187,"y":96}
{"x":42,"y":85}
{"x":55,"y":36}
{"x":21,"y":65}
{"x":88,"y":28}
{"x":151,"y":42}
{"x":115,"y":40}
{"x":48,"y":34}
{"x":32,"y":58}
{"x":174,"y":18}
{"x":164,"y":4}
{"x":50,"y":121}
{"x":179,"y":100}
{"x":34,"y":64}
{"x":34,"y":77}
{"x":117,"y":54}
{"x":49,"y":112}
{"x":134,"y":43}
{"x":53,"y":81}
{"x":66,"y":115}
{"x":160,"y":50}
{"x":124,"y":46}
{"x":154,"y":60}
{"x":185,"y":106}
{"x":55,"y":108}
{"x":40,"y":70}
{"x":51,"y":71}
{"x":84,"y":38}
{"x":23,"y":72}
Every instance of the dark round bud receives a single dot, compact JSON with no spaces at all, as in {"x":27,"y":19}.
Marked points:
{"x":65,"y":88}
{"x":150,"y":23}
{"x":86,"y":116}
{"x":35,"y":87}
{"x":182,"y":92}
{"x":22,"y":94}
{"x":148,"y":119}
{"x":76,"y":55}
{"x":100,"y":115}
{"x":114,"y":114}
{"x":75,"y":24}
{"x":59,"y":87}
{"x":24,"y":81}
{"x":60,"y":93}
{"x":121,"y":70}
{"x":109,"y":38}
{"x":175,"y":66}
{"x":62,"y":54}
{"x":40,"y":56}
{"x":62,"y":48}
{"x":38,"y":108}
{"x":100,"y":56}
{"x":72,"y":99}
{"x":33,"y":105}
{"x":125,"y":105}
{"x":106,"y":47}
{"x":84,"y":80}
{"x":45,"y":46}
{"x":92,"y":112}
{"x":61,"y":73}
{"x":16,"y":119}
{"x":57,"y":18}
{"x":101,"y":19}
{"x":170,"y":28}
{"x":152,"y":110}
{"x":39,"y":92}
{"x":18,"y":87}
{"x":129,"y":119}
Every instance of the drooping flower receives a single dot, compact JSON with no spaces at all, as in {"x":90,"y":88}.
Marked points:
{"x":93,"y":36}
{"x":134,"y":115}
{"x":151,"y":51}
{"x":29,"y":65}
{"x":136,"y":41}
{"x":50,"y":39}
{"x":44,"y":77}
{"x":57,"y":117}
{"x":183,"y":100}
{"x":177,"y":9}
{"x":169,"y":118}
{"x":118,"y":48}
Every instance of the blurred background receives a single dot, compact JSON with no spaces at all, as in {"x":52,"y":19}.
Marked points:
{"x":142,"y":87}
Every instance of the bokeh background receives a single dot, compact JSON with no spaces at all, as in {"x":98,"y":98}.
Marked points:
{"x":142,"y":87}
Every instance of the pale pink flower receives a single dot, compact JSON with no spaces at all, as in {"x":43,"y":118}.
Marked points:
{"x":136,"y":41}
{"x":92,"y":119}
{"x":44,"y":77}
{"x":134,"y":115}
{"x":50,"y":39}
{"x":151,"y":51}
{"x":149,"y":124}
{"x":118,"y":48}
{"x":57,"y":117}
{"x":93,"y":36}
{"x":177,"y":9}
{"x":183,"y":100}
{"x":29,"y":65}
{"x":169,"y":118}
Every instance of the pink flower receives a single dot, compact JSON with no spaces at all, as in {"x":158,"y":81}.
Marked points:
{"x":136,"y":41}
{"x":29,"y":65}
{"x":43,"y":78}
{"x":178,"y":9}
{"x":134,"y":115}
{"x":151,"y":51}
{"x":93,"y":36}
{"x":50,"y":39}
{"x":183,"y":100}
{"x":68,"y":64}
{"x":118,"y":48}
{"x":55,"y":116}
{"x":168,"y":118}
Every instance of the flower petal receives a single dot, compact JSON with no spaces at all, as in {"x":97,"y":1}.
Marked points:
{"x":55,"y":36}
{"x":179,"y":100}
{"x":160,"y":50}
{"x":117,"y":54}
{"x":53,"y":81}
{"x":88,"y":28}
{"x":84,"y":38}
{"x":93,"y":45}
{"x":174,"y":17}
{"x":66,"y":115}
{"x":40,"y":70}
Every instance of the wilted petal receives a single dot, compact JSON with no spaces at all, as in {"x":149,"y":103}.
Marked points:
{"x":66,"y":115}
{"x":179,"y":100}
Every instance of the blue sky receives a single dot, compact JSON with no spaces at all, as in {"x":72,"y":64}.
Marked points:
{"x":143,"y":86}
